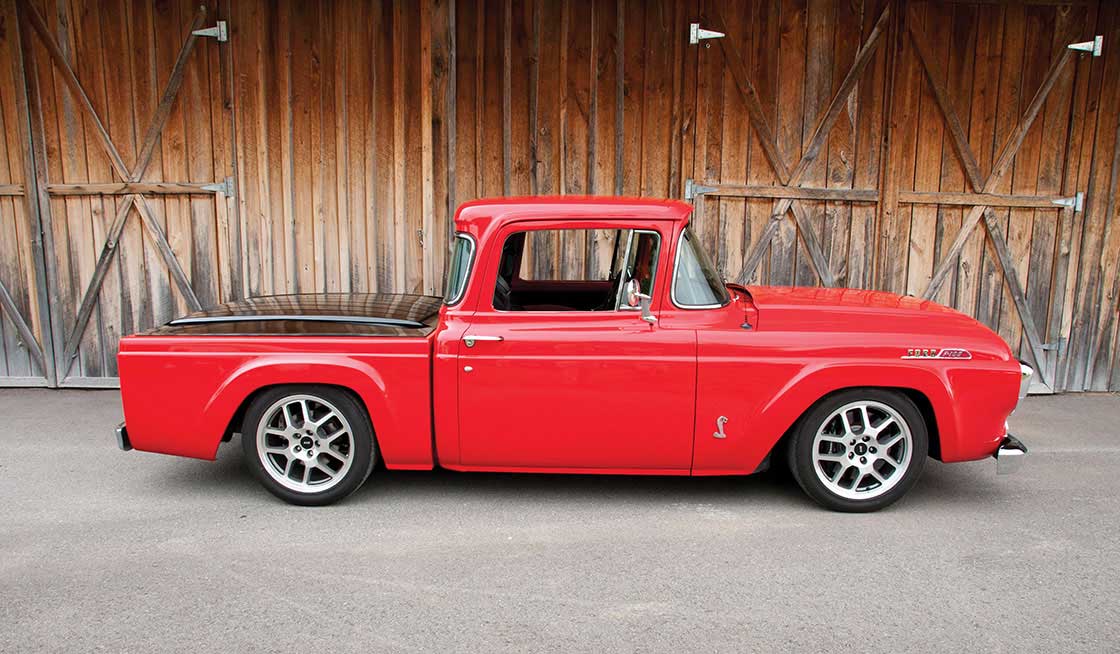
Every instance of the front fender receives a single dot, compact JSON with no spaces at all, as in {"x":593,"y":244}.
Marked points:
{"x":970,"y":402}
{"x":816,"y":382}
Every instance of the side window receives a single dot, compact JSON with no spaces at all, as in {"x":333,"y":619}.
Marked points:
{"x":696,"y":282}
{"x":574,"y":269}
{"x":641,"y":260}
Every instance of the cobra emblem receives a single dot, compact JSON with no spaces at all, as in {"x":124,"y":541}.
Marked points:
{"x":720,"y":422}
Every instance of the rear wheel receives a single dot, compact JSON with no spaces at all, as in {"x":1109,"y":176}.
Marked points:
{"x":308,"y":445}
{"x":859,"y":450}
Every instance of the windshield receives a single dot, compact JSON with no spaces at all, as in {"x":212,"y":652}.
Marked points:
{"x":696,"y":282}
{"x":458,"y":269}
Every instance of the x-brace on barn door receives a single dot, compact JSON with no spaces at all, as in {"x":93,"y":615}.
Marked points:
{"x":77,"y":99}
{"x":892,"y":35}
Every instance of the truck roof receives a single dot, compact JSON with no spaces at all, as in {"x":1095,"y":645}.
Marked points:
{"x":480,"y":214}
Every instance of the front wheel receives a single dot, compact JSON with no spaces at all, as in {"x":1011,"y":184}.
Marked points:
{"x":859,"y":450}
{"x":308,"y":445}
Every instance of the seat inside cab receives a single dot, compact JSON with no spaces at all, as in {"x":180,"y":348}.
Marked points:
{"x":528,"y":280}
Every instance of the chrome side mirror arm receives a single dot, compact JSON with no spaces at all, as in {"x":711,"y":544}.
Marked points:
{"x":647,"y":315}
{"x":635,"y":298}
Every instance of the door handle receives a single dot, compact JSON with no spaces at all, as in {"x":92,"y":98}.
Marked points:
{"x":470,"y":340}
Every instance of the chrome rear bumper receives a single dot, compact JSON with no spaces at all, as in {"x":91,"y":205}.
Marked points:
{"x":122,"y":438}
{"x":1010,"y":455}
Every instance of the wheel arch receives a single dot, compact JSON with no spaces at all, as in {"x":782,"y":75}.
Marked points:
{"x":919,"y":398}
{"x":238,"y":417}
{"x":403,"y":427}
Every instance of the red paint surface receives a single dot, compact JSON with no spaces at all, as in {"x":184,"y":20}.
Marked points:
{"x":590,"y":392}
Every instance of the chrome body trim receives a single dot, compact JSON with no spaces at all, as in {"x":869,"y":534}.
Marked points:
{"x":949,"y":353}
{"x":122,"y":438}
{"x":470,"y":340}
{"x":1010,"y":455}
{"x":358,"y":320}
{"x":619,"y":302}
{"x":1026,"y":373}
{"x":470,"y":269}
{"x":673,"y":282}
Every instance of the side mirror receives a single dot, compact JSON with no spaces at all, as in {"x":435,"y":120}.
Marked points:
{"x":636,"y":298}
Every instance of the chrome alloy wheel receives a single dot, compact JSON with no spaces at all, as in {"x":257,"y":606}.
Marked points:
{"x":305,"y":443}
{"x":862,"y":450}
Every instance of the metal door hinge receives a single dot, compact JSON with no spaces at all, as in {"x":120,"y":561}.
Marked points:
{"x":1077,"y":202}
{"x":692,"y":189}
{"x":1093,"y":47}
{"x":697,"y":34}
{"x":218,"y":31}
{"x":224,"y":187}
{"x":1059,"y":347}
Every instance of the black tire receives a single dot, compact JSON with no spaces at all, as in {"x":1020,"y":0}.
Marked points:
{"x":362,"y":447}
{"x":802,"y":466}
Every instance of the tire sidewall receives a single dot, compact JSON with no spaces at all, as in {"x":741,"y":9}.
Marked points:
{"x":365,"y":447}
{"x":801,"y":449}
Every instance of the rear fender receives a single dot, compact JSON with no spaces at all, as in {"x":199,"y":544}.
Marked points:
{"x":401,"y":445}
{"x":258,"y":373}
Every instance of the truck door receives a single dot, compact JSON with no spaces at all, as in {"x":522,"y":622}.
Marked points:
{"x":553,"y":376}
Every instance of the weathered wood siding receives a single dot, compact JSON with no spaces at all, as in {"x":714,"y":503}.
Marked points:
{"x":844,"y":143}
{"x":24,"y":324}
{"x":121,"y":94}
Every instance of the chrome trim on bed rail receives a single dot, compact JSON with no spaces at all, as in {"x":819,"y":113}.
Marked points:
{"x":358,"y":320}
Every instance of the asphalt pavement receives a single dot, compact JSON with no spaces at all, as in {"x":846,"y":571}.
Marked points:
{"x":102,"y":550}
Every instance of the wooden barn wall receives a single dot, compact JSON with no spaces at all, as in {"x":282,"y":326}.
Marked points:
{"x":98,"y":75}
{"x":353,"y":128}
{"x":24,"y":323}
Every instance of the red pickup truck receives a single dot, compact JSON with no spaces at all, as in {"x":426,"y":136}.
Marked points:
{"x":651,"y":365}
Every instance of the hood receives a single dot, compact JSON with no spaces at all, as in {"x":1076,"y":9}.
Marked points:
{"x":318,"y":313}
{"x":848,"y":309}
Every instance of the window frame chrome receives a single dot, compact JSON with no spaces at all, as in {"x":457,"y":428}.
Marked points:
{"x":619,"y":305}
{"x":470,"y":269}
{"x":673,"y":281}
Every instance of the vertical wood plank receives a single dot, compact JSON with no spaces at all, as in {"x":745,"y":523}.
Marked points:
{"x":872,"y":101}
{"x":982,"y":141}
{"x":792,"y":62}
{"x":925,"y":219}
{"x":576,"y":129}
{"x":765,"y":22}
{"x":959,"y":78}
{"x":442,"y":120}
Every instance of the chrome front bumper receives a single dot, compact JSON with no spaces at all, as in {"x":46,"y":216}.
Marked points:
{"x":1010,"y":455}
{"x":122,"y":438}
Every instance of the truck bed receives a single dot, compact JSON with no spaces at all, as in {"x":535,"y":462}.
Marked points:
{"x":185,"y":385}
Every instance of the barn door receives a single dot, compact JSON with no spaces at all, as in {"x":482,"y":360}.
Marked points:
{"x":982,"y":187}
{"x":789,"y":119}
{"x":926,"y":148}
{"x":25,"y":345}
{"x":132,"y":134}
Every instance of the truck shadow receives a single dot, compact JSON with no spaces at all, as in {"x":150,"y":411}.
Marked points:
{"x":228,"y":476}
